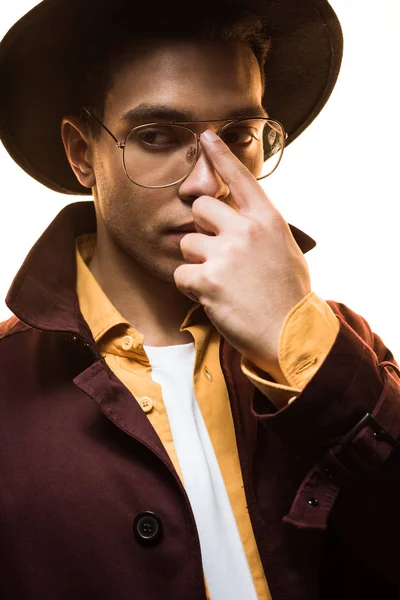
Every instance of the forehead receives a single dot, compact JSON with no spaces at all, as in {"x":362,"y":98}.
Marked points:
{"x":203,"y":79}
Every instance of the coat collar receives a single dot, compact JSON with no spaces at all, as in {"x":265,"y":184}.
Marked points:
{"x":43,"y":294}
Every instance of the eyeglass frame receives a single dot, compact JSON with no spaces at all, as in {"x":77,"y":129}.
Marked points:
{"x":122,"y":145}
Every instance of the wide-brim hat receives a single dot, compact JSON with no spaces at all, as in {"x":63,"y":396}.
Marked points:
{"x":42,"y":54}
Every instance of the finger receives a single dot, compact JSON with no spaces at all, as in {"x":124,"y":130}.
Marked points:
{"x":244,"y":187}
{"x":215,"y":216}
{"x":188,"y":280}
{"x":198,"y":247}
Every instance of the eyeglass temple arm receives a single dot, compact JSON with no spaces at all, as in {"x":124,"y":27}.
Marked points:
{"x":119,"y":144}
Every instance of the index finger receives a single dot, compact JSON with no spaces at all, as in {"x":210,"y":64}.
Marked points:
{"x":244,"y":187}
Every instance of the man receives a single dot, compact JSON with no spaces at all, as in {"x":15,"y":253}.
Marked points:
{"x":182,"y":416}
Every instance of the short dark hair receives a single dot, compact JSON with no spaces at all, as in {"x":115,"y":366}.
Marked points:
{"x":113,"y":47}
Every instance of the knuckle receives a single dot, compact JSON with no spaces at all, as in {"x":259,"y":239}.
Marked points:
{"x":187,"y":242}
{"x":201,"y":206}
{"x":212,"y":277}
{"x":230,"y":247}
{"x":183,"y":243}
{"x":239,"y":175}
{"x":275,"y":223}
{"x":178,"y":277}
{"x":199,"y":202}
{"x":252,"y":229}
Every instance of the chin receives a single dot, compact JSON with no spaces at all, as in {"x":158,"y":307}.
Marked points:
{"x":168,"y":277}
{"x":165,"y":272}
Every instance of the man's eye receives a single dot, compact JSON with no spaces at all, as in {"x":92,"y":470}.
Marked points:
{"x":157,"y":139}
{"x":240,"y":136}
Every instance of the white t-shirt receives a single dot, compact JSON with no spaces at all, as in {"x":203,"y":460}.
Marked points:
{"x":225,"y":565}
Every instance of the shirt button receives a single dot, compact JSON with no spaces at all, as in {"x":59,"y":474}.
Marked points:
{"x":127,"y":342}
{"x":147,"y":528}
{"x":146,"y":403}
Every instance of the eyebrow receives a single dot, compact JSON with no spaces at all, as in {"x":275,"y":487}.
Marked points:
{"x":169,"y":113}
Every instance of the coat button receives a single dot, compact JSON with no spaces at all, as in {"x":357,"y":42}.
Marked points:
{"x":313,"y":502}
{"x":147,"y":528}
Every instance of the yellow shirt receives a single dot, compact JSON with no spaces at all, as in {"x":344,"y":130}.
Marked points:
{"x":311,"y":327}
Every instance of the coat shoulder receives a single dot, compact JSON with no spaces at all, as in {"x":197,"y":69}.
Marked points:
{"x":11,"y":326}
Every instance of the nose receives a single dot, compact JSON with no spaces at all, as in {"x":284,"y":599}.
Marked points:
{"x":203,"y":181}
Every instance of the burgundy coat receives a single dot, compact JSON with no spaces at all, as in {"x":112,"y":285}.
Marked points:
{"x":91,"y":507}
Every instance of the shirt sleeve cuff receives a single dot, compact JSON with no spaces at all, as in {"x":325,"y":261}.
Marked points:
{"x":308,"y":334}
{"x":279,"y":394}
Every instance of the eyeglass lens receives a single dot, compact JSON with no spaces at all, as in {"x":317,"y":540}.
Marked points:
{"x":161,"y":154}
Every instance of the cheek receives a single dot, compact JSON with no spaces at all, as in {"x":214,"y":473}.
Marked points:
{"x":114,"y":191}
{"x":255,"y":164}
{"x":109,"y":168}
{"x":128,"y":211}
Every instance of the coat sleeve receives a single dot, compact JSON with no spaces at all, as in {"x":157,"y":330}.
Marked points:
{"x":345,"y":423}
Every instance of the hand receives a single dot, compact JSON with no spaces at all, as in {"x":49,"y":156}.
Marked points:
{"x":246,"y":269}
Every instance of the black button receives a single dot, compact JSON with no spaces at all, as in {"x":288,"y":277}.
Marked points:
{"x":313,"y":502}
{"x":147,"y":528}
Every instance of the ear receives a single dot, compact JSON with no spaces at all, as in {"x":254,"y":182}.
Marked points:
{"x":75,"y":138}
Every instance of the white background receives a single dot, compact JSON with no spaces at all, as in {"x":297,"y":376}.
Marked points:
{"x":339,"y":181}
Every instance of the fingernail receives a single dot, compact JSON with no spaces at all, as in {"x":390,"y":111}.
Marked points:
{"x":209,"y":136}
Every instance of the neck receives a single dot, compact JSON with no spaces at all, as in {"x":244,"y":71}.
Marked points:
{"x":154,"y":307}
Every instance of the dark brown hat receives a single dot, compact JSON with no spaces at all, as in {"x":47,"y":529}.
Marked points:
{"x":42,"y":54}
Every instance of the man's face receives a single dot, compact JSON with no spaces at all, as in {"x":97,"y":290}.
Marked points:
{"x":201,"y":81}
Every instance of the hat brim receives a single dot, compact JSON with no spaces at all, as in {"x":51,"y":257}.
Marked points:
{"x":38,"y":77}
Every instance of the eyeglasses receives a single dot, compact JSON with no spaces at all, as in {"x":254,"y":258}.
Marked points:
{"x":160,"y":155}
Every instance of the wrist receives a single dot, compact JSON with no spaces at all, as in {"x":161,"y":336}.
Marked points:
{"x":273,"y":369}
